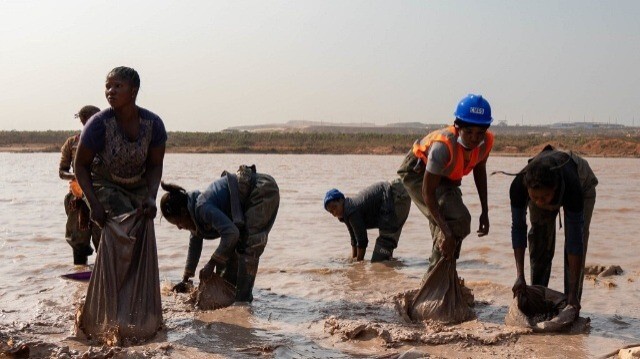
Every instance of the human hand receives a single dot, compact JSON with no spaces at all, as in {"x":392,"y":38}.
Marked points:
{"x":447,"y":244}
{"x":483,"y":229}
{"x":519,"y":286}
{"x":98,"y":215}
{"x":207,"y":271}
{"x":149,"y":208}
{"x":182,"y":287}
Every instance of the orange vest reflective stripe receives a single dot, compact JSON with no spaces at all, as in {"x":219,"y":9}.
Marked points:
{"x":455,"y":168}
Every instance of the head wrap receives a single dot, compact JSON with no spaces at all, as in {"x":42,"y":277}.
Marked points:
{"x":332,"y":195}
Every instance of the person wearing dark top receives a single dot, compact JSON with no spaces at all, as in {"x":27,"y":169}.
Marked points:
{"x":552,"y":180}
{"x":383,"y":205}
{"x":239,"y":209}
{"x":118,"y":165}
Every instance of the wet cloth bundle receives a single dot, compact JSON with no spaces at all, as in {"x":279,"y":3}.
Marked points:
{"x":442,"y":297}
{"x":543,"y":310}
{"x":123,"y":299}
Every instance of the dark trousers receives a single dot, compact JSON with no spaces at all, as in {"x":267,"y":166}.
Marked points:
{"x":260,"y":215}
{"x":78,"y":234}
{"x":391,"y":228}
{"x":542,"y":243}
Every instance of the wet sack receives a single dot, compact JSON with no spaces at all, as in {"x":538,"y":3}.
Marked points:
{"x":542,"y":310}
{"x":213,"y":293}
{"x":123,"y":303}
{"x":442,"y":297}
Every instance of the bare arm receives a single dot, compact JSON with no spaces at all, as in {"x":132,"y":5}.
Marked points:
{"x":480,"y":178}
{"x":82,"y":165}
{"x":521,"y":284}
{"x":155,"y":160}
{"x":65,"y":162}
{"x":66,"y":175}
{"x":575,"y":266}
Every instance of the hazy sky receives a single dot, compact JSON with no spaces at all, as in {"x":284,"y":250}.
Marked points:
{"x":209,"y":65}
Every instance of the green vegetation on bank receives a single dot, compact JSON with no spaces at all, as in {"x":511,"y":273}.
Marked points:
{"x":595,"y":144}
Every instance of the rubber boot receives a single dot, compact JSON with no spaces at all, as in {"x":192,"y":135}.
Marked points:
{"x":381,"y":253}
{"x":247,"y":269}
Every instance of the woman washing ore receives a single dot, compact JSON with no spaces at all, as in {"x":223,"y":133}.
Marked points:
{"x":240,"y":209}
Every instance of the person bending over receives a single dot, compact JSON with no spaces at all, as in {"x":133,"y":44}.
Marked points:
{"x":552,"y":180}
{"x":382,"y":205}
{"x":240,"y":209}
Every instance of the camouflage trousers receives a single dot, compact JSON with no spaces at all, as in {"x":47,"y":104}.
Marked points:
{"x":449,"y":198}
{"x":392,"y":223}
{"x":260,"y":213}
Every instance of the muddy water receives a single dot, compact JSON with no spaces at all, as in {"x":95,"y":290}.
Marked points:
{"x":310,"y":300}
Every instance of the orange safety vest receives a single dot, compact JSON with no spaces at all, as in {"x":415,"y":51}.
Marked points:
{"x":449,"y":136}
{"x":74,"y":188}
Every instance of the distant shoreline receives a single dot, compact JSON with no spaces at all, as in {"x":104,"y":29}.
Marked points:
{"x":513,"y":144}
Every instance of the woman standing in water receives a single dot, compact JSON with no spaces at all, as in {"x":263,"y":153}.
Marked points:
{"x":118,"y":164}
{"x":128,"y":143}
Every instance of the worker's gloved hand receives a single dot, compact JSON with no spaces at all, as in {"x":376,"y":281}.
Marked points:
{"x":520,"y":286}
{"x":182,"y":287}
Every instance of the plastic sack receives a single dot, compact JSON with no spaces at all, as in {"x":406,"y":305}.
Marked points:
{"x":123,"y":302}
{"x":442,"y":297}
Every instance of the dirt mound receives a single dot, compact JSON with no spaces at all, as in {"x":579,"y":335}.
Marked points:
{"x":611,"y":148}
{"x":603,"y":271}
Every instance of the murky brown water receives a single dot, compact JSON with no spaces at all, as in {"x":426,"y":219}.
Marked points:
{"x":306,"y":286}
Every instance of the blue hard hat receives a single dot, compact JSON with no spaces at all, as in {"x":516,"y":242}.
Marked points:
{"x":474,"y":109}
{"x":332,"y":195}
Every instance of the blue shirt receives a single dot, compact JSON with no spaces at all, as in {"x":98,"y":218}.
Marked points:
{"x":211,"y":213}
